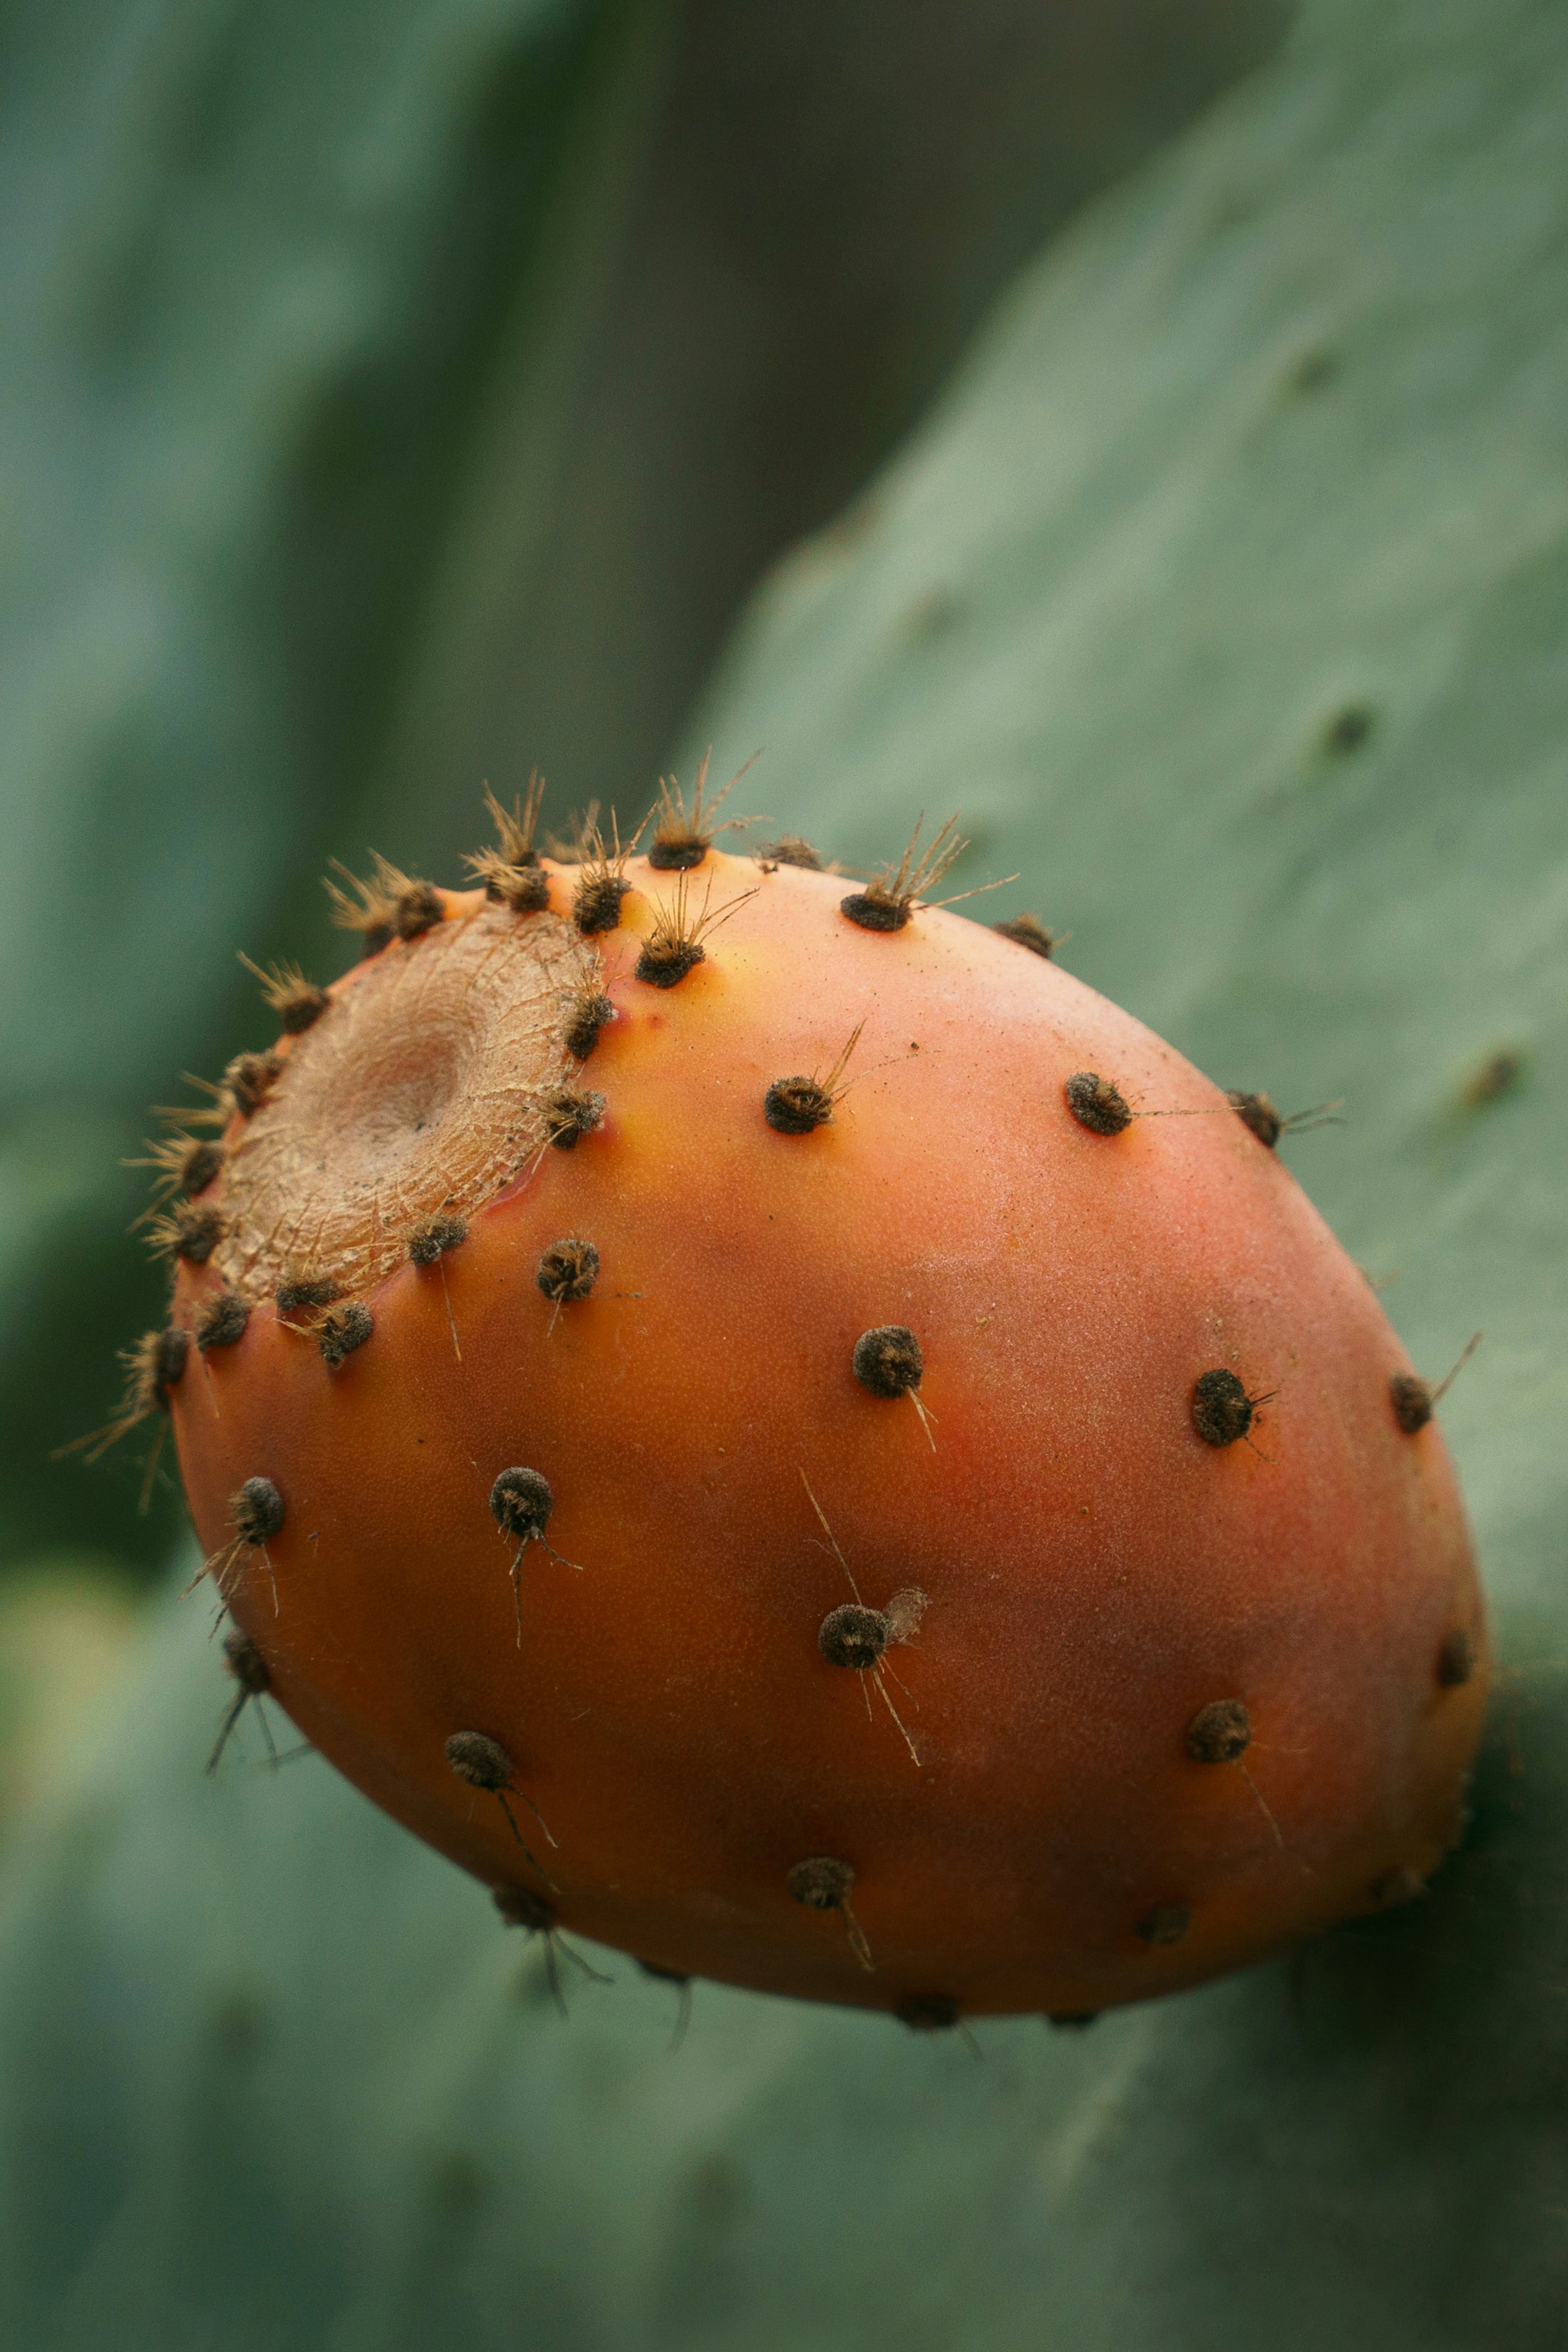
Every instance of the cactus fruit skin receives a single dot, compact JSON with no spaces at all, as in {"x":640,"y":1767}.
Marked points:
{"x":1026,"y":1823}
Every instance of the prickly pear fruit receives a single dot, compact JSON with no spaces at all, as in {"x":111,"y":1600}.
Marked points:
{"x":771,"y":1421}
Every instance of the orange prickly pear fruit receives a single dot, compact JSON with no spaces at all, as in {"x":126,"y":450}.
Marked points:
{"x":785,"y":1434}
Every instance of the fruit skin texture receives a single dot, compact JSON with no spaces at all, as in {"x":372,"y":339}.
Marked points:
{"x":1095,"y":1574}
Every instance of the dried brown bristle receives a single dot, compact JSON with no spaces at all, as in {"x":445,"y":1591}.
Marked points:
{"x":683,"y":837}
{"x":152,"y":1366}
{"x":222,"y":1321}
{"x":788,"y":850}
{"x":798,"y":1105}
{"x":854,"y":1635}
{"x":1256,"y":1113}
{"x":568,"y":1270}
{"x":298,"y":1003}
{"x":479,"y":1760}
{"x":1027,"y":932}
{"x":603,"y":884}
{"x":370,"y":911}
{"x":1412,"y":1400}
{"x":674,"y":945}
{"x":1097,"y":1104}
{"x":245,"y":1662}
{"x":1222,"y":1410}
{"x":1456,"y":1658}
{"x":1167,"y":1923}
{"x":822,"y":1883}
{"x":191,"y":1233}
{"x":516,"y":827}
{"x":394,"y":905}
{"x":307,"y":1291}
{"x":571,"y":1112}
{"x":257,"y":1511}
{"x":927,"y":2012}
{"x":341,"y":1329}
{"x":588,"y":1010}
{"x":250,"y":1671}
{"x":250,"y":1078}
{"x":519,"y":1905}
{"x":184,"y":1164}
{"x":1219,"y":1732}
{"x":432,"y":1237}
{"x":888,"y":1360}
{"x":523,"y":889}
{"x":890,"y":898}
{"x":512,"y":874}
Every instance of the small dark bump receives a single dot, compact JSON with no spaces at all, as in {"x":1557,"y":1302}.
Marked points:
{"x":1027,"y":932}
{"x":1073,"y":2020}
{"x":478,"y":1759}
{"x":927,"y":2012}
{"x":1097,"y":1104}
{"x":568,"y":1270}
{"x":797,"y":1105}
{"x":789,"y":850}
{"x":433,"y":1236}
{"x":376,"y":937}
{"x":1219,"y":1732}
{"x":664,"y":961}
{"x":222,"y":1321}
{"x":888,"y":1360}
{"x":1167,"y":1923}
{"x":1314,"y":371}
{"x":200,"y":1165}
{"x":678,"y":855}
{"x":1396,"y":1886}
{"x":518,"y":1906}
{"x":1456,"y":1658}
{"x":874,"y":912}
{"x":1222,"y":1410}
{"x":1492,"y":1078}
{"x":1348,"y":729}
{"x":1258,"y":1113}
{"x":417,"y":908}
{"x":257,"y":1511}
{"x":171,"y":1354}
{"x":247,"y":1665}
{"x":854,"y":1635}
{"x":822,"y":1883}
{"x":250,"y":1078}
{"x":1411,"y":1398}
{"x":343,"y":1329}
{"x":572,"y":1112}
{"x":197,"y":1233}
{"x":306,"y":1291}
{"x":591,"y":1009}
{"x":596,"y":903}
{"x":522,"y":1501}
